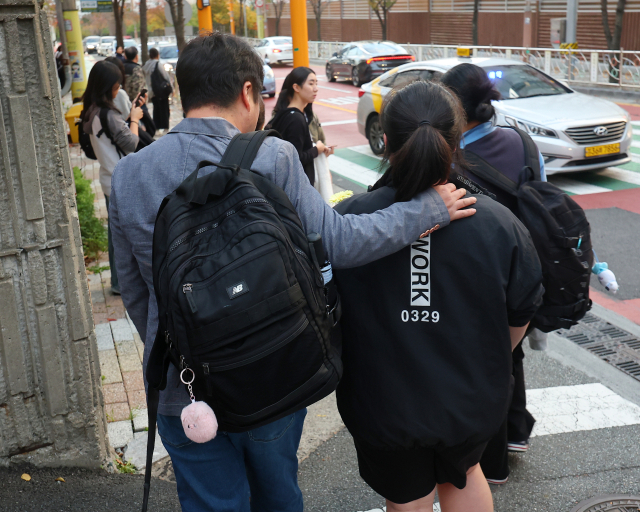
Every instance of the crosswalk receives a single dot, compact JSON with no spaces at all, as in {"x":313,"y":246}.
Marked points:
{"x":359,"y":166}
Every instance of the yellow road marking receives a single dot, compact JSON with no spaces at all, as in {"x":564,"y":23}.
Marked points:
{"x":319,"y":102}
{"x":628,"y":104}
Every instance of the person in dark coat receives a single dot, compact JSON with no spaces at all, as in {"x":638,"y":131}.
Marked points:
{"x":428,"y":330}
{"x":502,"y":147}
{"x":290,"y":117}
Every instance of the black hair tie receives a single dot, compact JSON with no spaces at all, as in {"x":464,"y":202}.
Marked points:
{"x":425,"y":121}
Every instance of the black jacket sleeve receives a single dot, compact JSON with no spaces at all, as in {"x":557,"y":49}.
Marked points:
{"x":294,"y":128}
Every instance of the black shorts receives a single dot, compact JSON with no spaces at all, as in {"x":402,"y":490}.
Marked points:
{"x":402,"y":476}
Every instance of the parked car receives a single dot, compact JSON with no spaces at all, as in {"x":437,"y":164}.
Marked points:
{"x":269,"y":83}
{"x":105,"y":45}
{"x":275,"y":50}
{"x":363,"y":61}
{"x":90,"y":44}
{"x":574,"y":131}
{"x":114,"y":46}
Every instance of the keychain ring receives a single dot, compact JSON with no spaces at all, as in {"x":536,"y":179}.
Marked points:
{"x":193,"y":376}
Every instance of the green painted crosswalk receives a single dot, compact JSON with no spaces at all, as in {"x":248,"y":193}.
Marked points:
{"x":359,"y":167}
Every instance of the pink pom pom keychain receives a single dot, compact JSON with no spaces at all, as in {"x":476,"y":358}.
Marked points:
{"x":198,"y":419}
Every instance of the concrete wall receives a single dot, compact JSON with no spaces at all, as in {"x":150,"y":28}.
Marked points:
{"x":51,"y":410}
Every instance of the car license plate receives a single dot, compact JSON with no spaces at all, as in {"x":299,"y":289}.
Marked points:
{"x":607,"y":149}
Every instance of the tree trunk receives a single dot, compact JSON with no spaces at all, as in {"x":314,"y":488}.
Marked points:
{"x":241,"y":17}
{"x":318,"y":16}
{"x":144,"y":33}
{"x":177,"y":17}
{"x":476,"y":8}
{"x":118,"y":13}
{"x":617,"y":30}
{"x":605,"y":24}
{"x":384,"y":25}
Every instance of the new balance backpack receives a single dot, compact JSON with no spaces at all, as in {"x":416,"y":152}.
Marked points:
{"x":241,"y":298}
{"x":560,"y":233}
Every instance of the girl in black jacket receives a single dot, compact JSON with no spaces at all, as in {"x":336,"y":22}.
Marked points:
{"x":428,"y":331}
{"x":292,"y":115}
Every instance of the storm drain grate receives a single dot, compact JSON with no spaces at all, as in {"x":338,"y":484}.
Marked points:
{"x":610,"y":343}
{"x":609,"y":503}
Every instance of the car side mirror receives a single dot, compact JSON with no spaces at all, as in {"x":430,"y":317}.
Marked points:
{"x":335,"y":54}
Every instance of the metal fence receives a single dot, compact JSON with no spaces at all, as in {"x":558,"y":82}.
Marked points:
{"x":585,"y":67}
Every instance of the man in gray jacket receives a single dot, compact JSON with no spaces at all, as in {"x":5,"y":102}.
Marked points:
{"x":220,"y":79}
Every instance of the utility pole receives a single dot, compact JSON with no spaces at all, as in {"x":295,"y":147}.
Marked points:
{"x":572,"y":21}
{"x":244,"y":16}
{"x":74,"y":47}
{"x":299,"y":33}
{"x":205,"y":22}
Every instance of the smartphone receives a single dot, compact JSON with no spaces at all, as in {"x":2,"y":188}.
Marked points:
{"x":141,"y":95}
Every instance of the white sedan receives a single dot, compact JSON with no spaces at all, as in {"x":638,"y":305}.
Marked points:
{"x":275,"y":50}
{"x":573,"y":131}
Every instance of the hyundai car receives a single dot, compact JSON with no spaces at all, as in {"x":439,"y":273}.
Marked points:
{"x":573,"y":131}
{"x":363,"y":61}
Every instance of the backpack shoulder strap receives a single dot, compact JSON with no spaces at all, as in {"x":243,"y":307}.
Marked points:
{"x":244,"y":147}
{"x":104,"y":121}
{"x":483,"y":169}
{"x":531,"y":154}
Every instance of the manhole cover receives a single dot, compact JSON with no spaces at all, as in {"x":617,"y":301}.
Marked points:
{"x":611,"y":503}
{"x":610,"y":343}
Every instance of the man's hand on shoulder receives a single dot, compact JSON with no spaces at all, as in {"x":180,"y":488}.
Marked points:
{"x":455,"y":201}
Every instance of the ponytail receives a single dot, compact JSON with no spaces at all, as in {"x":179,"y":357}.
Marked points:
{"x":423,"y":123}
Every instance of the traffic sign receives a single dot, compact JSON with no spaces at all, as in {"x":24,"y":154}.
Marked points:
{"x":96,"y":6}
{"x":259,"y":4}
{"x":186,"y":11}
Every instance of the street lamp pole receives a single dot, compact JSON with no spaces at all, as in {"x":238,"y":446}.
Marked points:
{"x":205,"y":23}
{"x":299,"y":33}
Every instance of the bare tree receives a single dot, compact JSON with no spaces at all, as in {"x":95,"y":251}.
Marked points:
{"x":278,"y":8}
{"x":144,"y":33}
{"x":613,"y":41}
{"x":177,"y":17}
{"x":118,"y":13}
{"x":382,"y":8}
{"x":318,"y":8}
{"x":476,"y":8}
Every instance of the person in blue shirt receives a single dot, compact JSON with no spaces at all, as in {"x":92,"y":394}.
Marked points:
{"x":503,"y":148}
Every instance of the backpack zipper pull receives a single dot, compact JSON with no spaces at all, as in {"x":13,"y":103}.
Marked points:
{"x":205,"y":366}
{"x":187,"y":289}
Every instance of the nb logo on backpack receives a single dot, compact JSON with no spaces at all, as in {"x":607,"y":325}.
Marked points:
{"x":237,"y":289}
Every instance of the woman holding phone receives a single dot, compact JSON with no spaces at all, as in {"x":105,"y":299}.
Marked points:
{"x":291,"y":117}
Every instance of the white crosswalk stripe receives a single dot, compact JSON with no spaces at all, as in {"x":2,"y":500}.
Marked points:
{"x":353,"y":172}
{"x":622,"y":175}
{"x":574,"y":186}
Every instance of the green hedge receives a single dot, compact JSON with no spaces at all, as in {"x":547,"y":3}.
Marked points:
{"x":94,"y":234}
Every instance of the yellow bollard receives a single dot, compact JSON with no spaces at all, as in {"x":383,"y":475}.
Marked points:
{"x":299,"y":33}
{"x":205,"y":23}
{"x":76,"y":54}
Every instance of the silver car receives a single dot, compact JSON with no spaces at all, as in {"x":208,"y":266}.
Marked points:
{"x":105,"y":45}
{"x":275,"y":50}
{"x":573,"y":131}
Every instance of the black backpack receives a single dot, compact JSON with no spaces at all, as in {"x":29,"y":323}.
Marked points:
{"x":85,"y":138}
{"x":560,"y":233}
{"x":241,"y":298}
{"x":160,"y":85}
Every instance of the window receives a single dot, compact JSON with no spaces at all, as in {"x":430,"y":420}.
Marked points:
{"x":388,"y":82}
{"x":353,"y":52}
{"x":382,"y":49}
{"x":520,"y":81}
{"x":282,"y":40}
{"x":407,"y":77}
{"x":436,"y":76}
{"x":168,"y":52}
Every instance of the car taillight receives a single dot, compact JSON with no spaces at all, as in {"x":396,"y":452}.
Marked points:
{"x":360,"y":93}
{"x":277,"y":50}
{"x":395,"y":57}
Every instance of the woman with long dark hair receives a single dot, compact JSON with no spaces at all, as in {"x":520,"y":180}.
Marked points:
{"x":503,"y":149}
{"x":428,"y":331}
{"x":111,"y":138}
{"x":290,"y":116}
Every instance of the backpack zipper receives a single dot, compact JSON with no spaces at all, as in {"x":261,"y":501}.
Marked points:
{"x":187,"y":289}
{"x":226,"y":215}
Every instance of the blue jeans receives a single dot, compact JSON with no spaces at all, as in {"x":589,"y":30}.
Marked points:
{"x":254,"y":471}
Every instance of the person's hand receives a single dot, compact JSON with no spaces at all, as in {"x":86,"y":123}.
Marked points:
{"x":455,"y":201}
{"x":136,"y":113}
{"x":140,"y":100}
{"x":321,"y":147}
{"x":328,"y":150}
